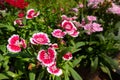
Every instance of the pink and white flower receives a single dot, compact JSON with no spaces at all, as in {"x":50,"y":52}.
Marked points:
{"x":54,"y":70}
{"x":75,"y":34}
{"x":31,"y":14}
{"x":40,"y":38}
{"x":15,"y":43}
{"x":58,"y":33}
{"x":70,"y":28}
{"x":19,"y":22}
{"x":55,"y":45}
{"x":47,"y":57}
{"x":67,"y":56}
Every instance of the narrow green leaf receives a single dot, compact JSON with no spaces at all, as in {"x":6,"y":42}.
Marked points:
{"x":3,"y":76}
{"x":41,"y":75}
{"x":11,"y":74}
{"x":57,"y":78}
{"x":77,"y":61}
{"x":74,"y":74}
{"x":110,"y":61}
{"x":94,"y":64}
{"x":79,"y":44}
{"x":9,"y":27}
{"x":31,"y":76}
{"x":106,"y":70}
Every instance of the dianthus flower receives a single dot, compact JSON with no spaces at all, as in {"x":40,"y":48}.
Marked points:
{"x":40,"y":38}
{"x":115,"y":9}
{"x":67,"y":56}
{"x":94,"y":3}
{"x":15,"y":43}
{"x":54,"y":70}
{"x":47,"y":57}
{"x":31,"y":14}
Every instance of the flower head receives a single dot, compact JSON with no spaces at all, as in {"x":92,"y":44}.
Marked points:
{"x":47,"y":57}
{"x":40,"y":38}
{"x":19,"y":22}
{"x":54,"y":70}
{"x":15,"y":43}
{"x":31,"y":14}
{"x":58,"y":33}
{"x":115,"y":9}
{"x":67,"y":56}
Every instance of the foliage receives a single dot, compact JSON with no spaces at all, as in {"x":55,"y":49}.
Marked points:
{"x":93,"y":49}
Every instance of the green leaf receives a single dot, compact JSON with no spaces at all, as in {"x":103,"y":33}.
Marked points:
{"x":31,"y":76}
{"x":74,"y":74}
{"x":3,"y":76}
{"x":79,"y":44}
{"x":9,"y":27}
{"x":41,"y":75}
{"x":3,"y":48}
{"x":77,"y":61}
{"x":57,"y":78}
{"x":94,"y":64}
{"x":11,"y":74}
{"x":112,"y":63}
{"x":106,"y":70}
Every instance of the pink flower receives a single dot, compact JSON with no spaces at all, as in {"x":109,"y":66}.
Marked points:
{"x":31,"y":14}
{"x":58,"y":33}
{"x":67,"y":56}
{"x":54,"y":70}
{"x":115,"y":9}
{"x":91,"y":18}
{"x":47,"y":57}
{"x":75,"y":9}
{"x":64,"y":17}
{"x":75,"y":34}
{"x":19,"y":22}
{"x":40,"y":38}
{"x":15,"y":43}
{"x":97,"y":27}
{"x":94,"y":3}
{"x":81,"y":5}
{"x":68,"y":26}
{"x":55,"y":45}
{"x":93,"y":27}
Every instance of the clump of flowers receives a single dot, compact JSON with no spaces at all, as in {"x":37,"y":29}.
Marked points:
{"x":115,"y":9}
{"x":17,"y":3}
{"x":94,"y":3}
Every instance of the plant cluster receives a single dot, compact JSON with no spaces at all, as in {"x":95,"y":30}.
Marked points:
{"x":54,"y":40}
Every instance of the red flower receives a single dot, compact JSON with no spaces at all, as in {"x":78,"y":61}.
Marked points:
{"x":18,"y":3}
{"x":21,"y":14}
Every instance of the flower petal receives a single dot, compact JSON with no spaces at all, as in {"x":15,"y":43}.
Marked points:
{"x":13,"y":48}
